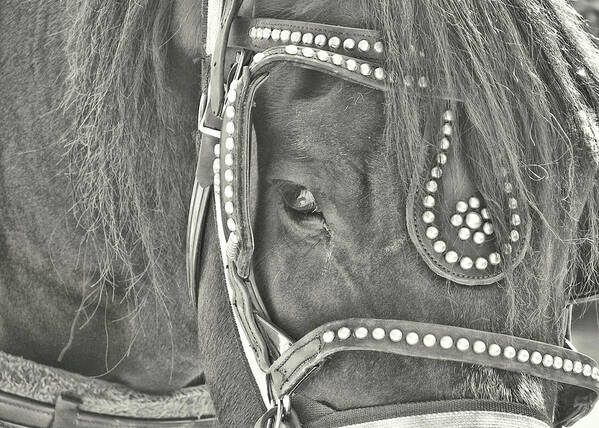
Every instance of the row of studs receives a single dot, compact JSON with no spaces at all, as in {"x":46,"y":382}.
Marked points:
{"x":515,"y":219}
{"x":351,"y":64}
{"x":475,"y":218}
{"x":462,"y":344}
{"x":428,"y":217}
{"x":229,"y":129}
{"x":365,"y":69}
{"x":320,"y":40}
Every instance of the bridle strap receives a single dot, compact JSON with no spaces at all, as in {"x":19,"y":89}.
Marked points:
{"x":260,"y":34}
{"x":433,"y":341}
{"x":217,"y":72}
{"x":23,"y":412}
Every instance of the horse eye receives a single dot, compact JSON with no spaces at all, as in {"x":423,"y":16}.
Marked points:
{"x":298,"y":198}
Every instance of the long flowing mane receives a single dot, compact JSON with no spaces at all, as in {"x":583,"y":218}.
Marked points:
{"x":525,"y":74}
{"x":524,"y":71}
{"x":127,"y":155}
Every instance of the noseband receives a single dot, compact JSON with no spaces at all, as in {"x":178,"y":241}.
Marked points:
{"x":279,"y":364}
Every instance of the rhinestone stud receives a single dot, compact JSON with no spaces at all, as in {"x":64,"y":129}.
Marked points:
{"x":328,"y":336}
{"x":439,"y":247}
{"x":320,"y":40}
{"x":568,"y":365}
{"x":523,"y":355}
{"x":343,"y":333}
{"x":378,"y":333}
{"x":412,"y":338}
{"x":474,"y":220}
{"x":429,"y":340}
{"x":464,"y":233}
{"x":479,"y":347}
{"x":231,"y":225}
{"x":363,"y":46}
{"x":509,"y":352}
{"x":307,"y":38}
{"x":436,"y":172}
{"x":395,"y":335}
{"x":446,"y":342}
{"x":322,"y":55}
{"x":451,"y":257}
{"x":444,"y":144}
{"x":494,"y":350}
{"x":481,"y":263}
{"x":349,"y":44}
{"x":351,"y":65}
{"x":361,"y":332}
{"x":428,"y":217}
{"x":461,"y":207}
{"x":466,"y":263}
{"x":456,"y":220}
{"x":462,"y":344}
{"x":379,"y":74}
{"x":479,"y":238}
{"x":334,"y":42}
{"x":432,"y":232}
{"x":558,"y":362}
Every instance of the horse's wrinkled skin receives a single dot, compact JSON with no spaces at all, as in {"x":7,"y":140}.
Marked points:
{"x":356,"y":260}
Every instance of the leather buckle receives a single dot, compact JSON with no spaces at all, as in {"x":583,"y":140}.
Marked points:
{"x":202,"y":113}
{"x":66,"y":410}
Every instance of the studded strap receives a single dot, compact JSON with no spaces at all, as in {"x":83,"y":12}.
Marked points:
{"x":438,"y":342}
{"x":260,"y":34}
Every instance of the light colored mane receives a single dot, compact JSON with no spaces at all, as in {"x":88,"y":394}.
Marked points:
{"x":129,"y":163}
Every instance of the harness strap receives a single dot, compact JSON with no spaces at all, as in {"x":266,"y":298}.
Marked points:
{"x":438,"y":342}
{"x":259,"y":34}
{"x":23,"y":412}
{"x":217,"y":79}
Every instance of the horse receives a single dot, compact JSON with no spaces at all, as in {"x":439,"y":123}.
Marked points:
{"x":426,"y":161}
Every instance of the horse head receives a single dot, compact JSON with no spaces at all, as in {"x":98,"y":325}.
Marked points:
{"x":443,"y":174}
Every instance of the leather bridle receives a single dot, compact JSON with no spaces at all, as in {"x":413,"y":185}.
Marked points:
{"x":278,"y":363}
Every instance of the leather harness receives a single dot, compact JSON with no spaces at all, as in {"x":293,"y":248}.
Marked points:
{"x":279,"y":364}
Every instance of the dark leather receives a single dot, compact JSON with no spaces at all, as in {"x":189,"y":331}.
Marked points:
{"x":217,"y":69}
{"x":311,"y":350}
{"x":241,"y":26}
{"x":447,"y":233}
{"x":22,"y":412}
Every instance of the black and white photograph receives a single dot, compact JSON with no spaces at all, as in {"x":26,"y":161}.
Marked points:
{"x":299,"y":213}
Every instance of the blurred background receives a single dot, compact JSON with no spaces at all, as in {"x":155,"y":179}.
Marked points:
{"x":585,"y":332}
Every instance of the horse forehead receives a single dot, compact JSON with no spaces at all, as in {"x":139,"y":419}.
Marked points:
{"x":342,"y":127}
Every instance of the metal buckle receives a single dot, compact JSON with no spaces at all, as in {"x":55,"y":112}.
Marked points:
{"x":203,"y":108}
